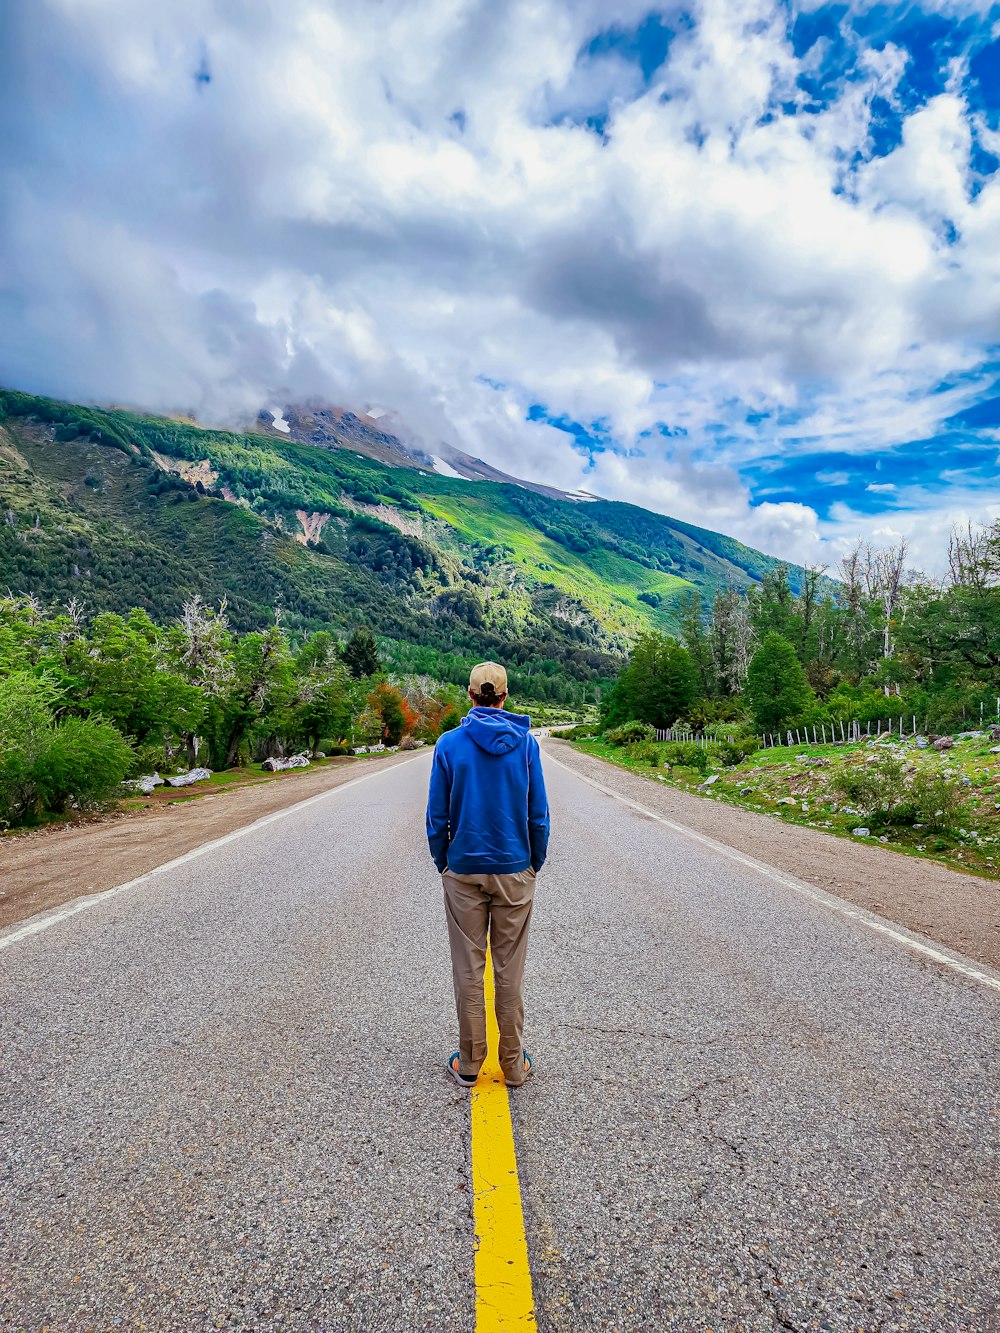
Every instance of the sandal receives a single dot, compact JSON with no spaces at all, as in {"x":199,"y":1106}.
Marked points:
{"x":463,"y":1080}
{"x":528,"y":1067}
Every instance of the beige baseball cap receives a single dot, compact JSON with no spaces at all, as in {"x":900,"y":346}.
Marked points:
{"x":490,"y":675}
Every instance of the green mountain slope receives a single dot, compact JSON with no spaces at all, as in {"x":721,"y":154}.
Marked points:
{"x":121,"y":510}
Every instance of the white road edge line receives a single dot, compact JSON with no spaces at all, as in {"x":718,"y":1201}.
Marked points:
{"x":819,"y":896}
{"x":35,"y":925}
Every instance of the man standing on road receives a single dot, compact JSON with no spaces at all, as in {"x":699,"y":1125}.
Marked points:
{"x":488,"y":830}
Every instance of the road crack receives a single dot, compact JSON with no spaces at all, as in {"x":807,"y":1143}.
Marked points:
{"x":762,"y":1267}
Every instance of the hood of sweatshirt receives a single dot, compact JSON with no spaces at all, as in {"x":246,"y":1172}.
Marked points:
{"x":495,"y":731}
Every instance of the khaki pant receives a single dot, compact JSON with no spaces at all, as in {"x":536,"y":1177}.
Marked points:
{"x":498,"y":908}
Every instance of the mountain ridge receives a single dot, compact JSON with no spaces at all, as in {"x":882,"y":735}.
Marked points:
{"x":122,"y":510}
{"x":329,"y":426}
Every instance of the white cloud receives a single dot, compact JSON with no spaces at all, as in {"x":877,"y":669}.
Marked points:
{"x":387,"y":203}
{"x":926,"y":530}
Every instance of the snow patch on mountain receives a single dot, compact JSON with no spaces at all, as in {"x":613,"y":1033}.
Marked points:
{"x":444,"y":468}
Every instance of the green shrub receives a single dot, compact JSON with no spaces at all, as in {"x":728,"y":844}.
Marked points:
{"x":26,"y":704}
{"x":886,"y":796}
{"x":643,"y":752}
{"x":582,"y":732}
{"x":686,"y":754}
{"x":884,"y":793}
{"x":84,"y":763}
{"x":937,"y":801}
{"x":878,"y":790}
{"x":149,"y":758}
{"x":735,"y":729}
{"x":735,"y":751}
{"x":629,"y":733}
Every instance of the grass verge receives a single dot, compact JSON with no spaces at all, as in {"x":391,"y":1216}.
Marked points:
{"x":231,"y":779}
{"x":799,"y":784}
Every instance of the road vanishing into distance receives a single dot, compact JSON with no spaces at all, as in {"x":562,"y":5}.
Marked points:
{"x":223,"y":1101}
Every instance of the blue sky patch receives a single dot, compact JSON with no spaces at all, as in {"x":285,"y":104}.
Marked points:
{"x":645,"y":45}
{"x":590,"y":440}
{"x":984,"y":81}
{"x":874,"y":483}
{"x":983,"y":414}
{"x":931,"y":41}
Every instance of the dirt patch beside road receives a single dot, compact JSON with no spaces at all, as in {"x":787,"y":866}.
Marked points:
{"x":959,"y":911}
{"x":44,"y":869}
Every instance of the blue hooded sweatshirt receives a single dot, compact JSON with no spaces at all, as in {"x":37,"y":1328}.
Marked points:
{"x":487,"y":812}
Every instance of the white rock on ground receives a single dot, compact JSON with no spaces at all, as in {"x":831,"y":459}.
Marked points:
{"x":193,"y":775}
{"x":279,"y":765}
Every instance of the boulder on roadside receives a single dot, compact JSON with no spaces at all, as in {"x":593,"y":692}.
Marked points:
{"x":861,"y":832}
{"x":193,"y":775}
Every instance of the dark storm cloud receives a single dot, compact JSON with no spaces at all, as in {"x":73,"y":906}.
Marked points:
{"x":656,"y":320}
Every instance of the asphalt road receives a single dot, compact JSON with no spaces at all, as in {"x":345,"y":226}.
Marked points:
{"x":223,"y":1105}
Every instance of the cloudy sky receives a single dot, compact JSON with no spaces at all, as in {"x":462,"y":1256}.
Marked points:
{"x":734,"y":260}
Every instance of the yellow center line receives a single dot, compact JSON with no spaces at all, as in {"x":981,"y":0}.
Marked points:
{"x":504,"y":1298}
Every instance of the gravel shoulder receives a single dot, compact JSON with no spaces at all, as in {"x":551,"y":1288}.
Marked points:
{"x":43,"y":869}
{"x":957,"y":910}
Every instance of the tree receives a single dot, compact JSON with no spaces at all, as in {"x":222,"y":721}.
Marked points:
{"x":696,"y":638}
{"x":890,"y":570}
{"x":322,"y":704}
{"x":777,"y":688}
{"x":658,"y":685}
{"x":257,"y":693}
{"x":361,"y":654}
{"x":854,"y":598}
{"x":730,"y":639}
{"x":387,"y":702}
{"x":772,"y":604}
{"x":202,"y":644}
{"x":120,"y":672}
